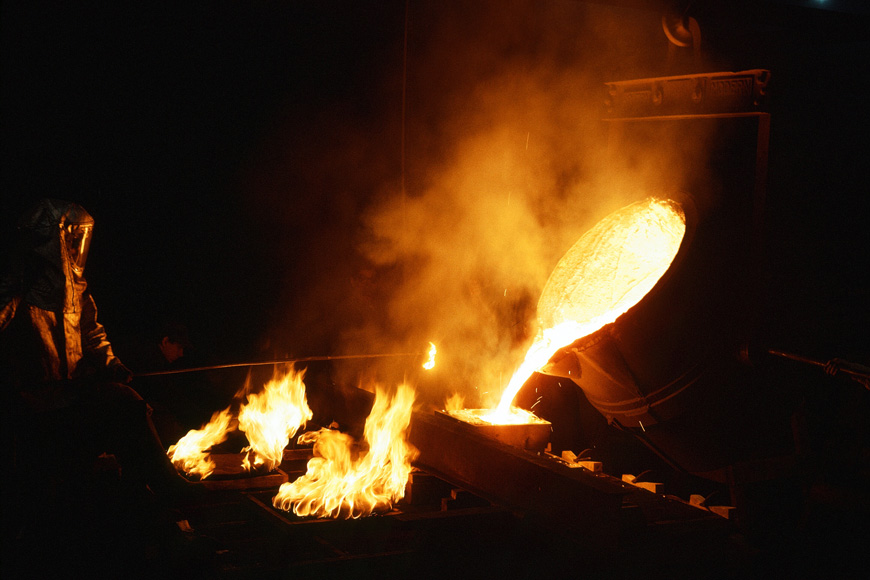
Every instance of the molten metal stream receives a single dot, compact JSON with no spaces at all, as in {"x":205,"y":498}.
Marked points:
{"x":609,"y":270}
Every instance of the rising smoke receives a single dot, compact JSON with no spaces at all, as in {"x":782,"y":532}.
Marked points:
{"x":505,"y":168}
{"x":512,"y":176}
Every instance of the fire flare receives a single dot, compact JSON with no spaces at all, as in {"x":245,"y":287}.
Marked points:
{"x":272,"y":417}
{"x":269,"y":420}
{"x":340,"y":483}
{"x":190,"y":454}
{"x":609,"y":270}
{"x":430,"y":364}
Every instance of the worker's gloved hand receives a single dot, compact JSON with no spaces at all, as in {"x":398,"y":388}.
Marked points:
{"x":833,"y":366}
{"x":118,"y":373}
{"x":857,"y":372}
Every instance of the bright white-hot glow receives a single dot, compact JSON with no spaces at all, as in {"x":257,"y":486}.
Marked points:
{"x":343,"y":483}
{"x":272,"y":417}
{"x":191,"y":455}
{"x":609,"y":270}
{"x":430,"y":364}
{"x":516,"y":416}
{"x":269,"y":419}
{"x":537,"y":356}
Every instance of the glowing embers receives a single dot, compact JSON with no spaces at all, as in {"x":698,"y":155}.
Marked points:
{"x":606,"y":272}
{"x":344,"y":482}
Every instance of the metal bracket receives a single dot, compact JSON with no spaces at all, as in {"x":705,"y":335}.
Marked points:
{"x":701,"y":94}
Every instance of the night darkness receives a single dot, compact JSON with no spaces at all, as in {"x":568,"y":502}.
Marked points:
{"x":227,"y":150}
{"x":157,"y":120}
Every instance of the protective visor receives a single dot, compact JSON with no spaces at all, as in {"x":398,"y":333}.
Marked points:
{"x":78,"y":240}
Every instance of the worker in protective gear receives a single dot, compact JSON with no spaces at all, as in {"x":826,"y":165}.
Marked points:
{"x":65,"y":388}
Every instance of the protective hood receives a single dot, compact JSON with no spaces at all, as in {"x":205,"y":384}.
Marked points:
{"x":54,"y":243}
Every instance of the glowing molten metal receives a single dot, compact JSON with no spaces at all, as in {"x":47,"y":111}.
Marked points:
{"x":342,"y":482}
{"x":271,"y":418}
{"x":609,"y":270}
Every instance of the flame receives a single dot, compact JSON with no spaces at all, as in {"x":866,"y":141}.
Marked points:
{"x":269,"y":420}
{"x":190,"y":454}
{"x":455,"y":402}
{"x":272,"y":417}
{"x":430,"y":364}
{"x":340,"y":483}
{"x":609,"y":270}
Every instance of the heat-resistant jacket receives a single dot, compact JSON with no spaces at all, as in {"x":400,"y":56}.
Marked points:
{"x":48,"y":319}
{"x":50,"y":346}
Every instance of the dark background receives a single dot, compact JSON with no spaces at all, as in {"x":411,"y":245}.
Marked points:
{"x":155,"y":119}
{"x":201,"y":139}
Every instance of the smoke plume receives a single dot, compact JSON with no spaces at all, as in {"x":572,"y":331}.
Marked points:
{"x":503,"y":169}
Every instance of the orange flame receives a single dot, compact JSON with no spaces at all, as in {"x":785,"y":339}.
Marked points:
{"x":338,"y":482}
{"x":454,"y":402}
{"x":190,"y":454}
{"x":430,"y":364}
{"x":271,"y":418}
{"x":609,"y":270}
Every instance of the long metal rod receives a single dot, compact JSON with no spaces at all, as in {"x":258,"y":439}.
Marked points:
{"x":275,"y":362}
{"x":796,"y":357}
{"x":845,"y":366}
